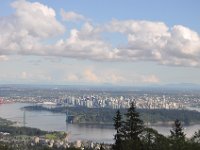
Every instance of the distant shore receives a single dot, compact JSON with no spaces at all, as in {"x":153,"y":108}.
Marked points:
{"x":104,"y":116}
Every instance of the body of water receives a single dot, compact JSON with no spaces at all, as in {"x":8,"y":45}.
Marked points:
{"x":56,"y":122}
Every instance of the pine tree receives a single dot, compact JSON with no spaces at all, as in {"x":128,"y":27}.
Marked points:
{"x":118,"y":136}
{"x":177,"y":136}
{"x":133,"y":124}
{"x":177,"y":131}
{"x":101,"y":147}
{"x":132,"y":128}
{"x":196,"y":137}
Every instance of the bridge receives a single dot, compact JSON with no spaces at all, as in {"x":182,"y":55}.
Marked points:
{"x":69,"y":118}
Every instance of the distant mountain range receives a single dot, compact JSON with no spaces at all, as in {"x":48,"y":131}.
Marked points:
{"x":184,"y":86}
{"x":179,"y":86}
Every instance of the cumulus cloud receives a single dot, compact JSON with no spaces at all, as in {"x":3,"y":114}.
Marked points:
{"x":72,"y":16}
{"x":182,"y":48}
{"x":3,"y":58}
{"x":154,"y":41}
{"x":41,"y":76}
{"x":37,"y":19}
{"x":33,"y":24}
{"x":25,"y":76}
{"x":144,"y":38}
{"x":150,"y":79}
{"x":22,"y":32}
{"x":89,"y":75}
{"x":72,"y":78}
{"x":85,"y":43}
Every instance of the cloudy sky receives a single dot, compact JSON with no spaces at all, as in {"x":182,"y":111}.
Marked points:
{"x":131,"y":42}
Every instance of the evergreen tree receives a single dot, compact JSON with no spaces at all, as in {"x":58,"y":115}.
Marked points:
{"x":177,"y":131}
{"x":177,"y":136}
{"x":196,"y":137}
{"x":194,"y":142}
{"x":132,"y":128}
{"x":152,"y":140}
{"x":118,"y":136}
{"x":133,"y":124}
{"x":101,"y":147}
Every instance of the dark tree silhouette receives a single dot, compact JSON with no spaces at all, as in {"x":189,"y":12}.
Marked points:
{"x":196,"y":137}
{"x":177,"y":131}
{"x":133,"y":124}
{"x":118,"y":127}
{"x":177,"y":136}
{"x":132,"y":128}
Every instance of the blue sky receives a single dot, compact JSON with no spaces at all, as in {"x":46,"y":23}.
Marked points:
{"x":95,"y":42}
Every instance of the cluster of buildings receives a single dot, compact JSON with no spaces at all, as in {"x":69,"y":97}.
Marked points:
{"x":145,"y":102}
{"x":51,"y":143}
{"x":15,"y":142}
{"x":102,"y":99}
{"x":42,"y":141}
{"x":25,"y":142}
{"x":91,"y":101}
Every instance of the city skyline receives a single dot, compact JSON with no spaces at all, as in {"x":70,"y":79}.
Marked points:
{"x":90,"y":42}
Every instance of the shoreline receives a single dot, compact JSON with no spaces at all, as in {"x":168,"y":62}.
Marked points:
{"x":101,"y":123}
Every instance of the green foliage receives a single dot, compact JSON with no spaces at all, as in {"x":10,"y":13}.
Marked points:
{"x":56,"y":135}
{"x":134,"y":136}
{"x":177,"y":131}
{"x":4,"y":146}
{"x":196,"y":137}
{"x":168,"y":115}
{"x":105,"y":115}
{"x":118,"y":127}
{"x":177,"y":136}
{"x":128,"y":131}
{"x":133,"y":125}
{"x":5,"y":122}
{"x":22,"y":130}
{"x":118,"y":121}
{"x":152,"y":140}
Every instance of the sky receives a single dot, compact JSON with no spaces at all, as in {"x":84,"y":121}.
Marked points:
{"x":131,"y":42}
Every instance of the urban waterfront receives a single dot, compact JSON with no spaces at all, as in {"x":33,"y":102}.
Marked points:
{"x":57,"y":122}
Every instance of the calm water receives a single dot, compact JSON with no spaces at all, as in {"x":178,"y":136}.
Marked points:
{"x":56,"y":122}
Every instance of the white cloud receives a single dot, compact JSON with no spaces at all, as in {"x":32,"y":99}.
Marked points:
{"x":3,"y":58}
{"x":36,"y":19}
{"x":154,"y":41}
{"x":34,"y":76}
{"x":26,"y":76}
{"x":84,"y":44}
{"x":72,"y":16}
{"x":150,"y":79}
{"x":89,"y":75}
{"x":29,"y":29}
{"x":24,"y":31}
{"x":182,"y":48}
{"x":72,"y":78}
{"x":144,"y":38}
